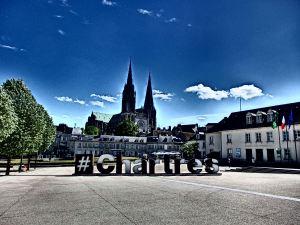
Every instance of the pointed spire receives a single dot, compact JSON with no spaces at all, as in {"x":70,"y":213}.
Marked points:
{"x":129,"y":78}
{"x":149,"y":105}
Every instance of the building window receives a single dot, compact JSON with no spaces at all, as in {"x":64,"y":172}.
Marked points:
{"x":287,"y":155}
{"x":249,"y":119}
{"x":203,"y":145}
{"x":247,"y":138}
{"x":229,"y":138}
{"x":296,"y":134}
{"x":211,"y":140}
{"x":259,"y":118}
{"x":270,"y":116}
{"x":229,"y":152}
{"x":270,"y":137}
{"x":258,"y":137}
{"x":285,"y":136}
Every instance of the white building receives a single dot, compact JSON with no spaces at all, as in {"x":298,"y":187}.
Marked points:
{"x":249,"y":134}
{"x":129,"y":146}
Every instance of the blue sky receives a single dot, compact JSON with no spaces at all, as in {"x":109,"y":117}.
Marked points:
{"x":202,"y":55}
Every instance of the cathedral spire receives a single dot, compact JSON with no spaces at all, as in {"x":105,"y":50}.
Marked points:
{"x":129,"y":78}
{"x":128,"y":100}
{"x":149,"y":105}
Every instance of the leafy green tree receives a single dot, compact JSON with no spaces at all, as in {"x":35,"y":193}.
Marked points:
{"x":127,"y":128}
{"x":189,"y":149}
{"x":28,"y":136}
{"x":49,"y":133}
{"x":8,"y":119}
{"x":91,"y":130}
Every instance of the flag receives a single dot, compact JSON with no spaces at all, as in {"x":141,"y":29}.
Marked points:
{"x":291,"y":119}
{"x":283,"y":123}
{"x":274,"y":124}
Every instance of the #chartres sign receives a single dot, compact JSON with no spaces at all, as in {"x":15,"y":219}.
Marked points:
{"x":84,"y":164}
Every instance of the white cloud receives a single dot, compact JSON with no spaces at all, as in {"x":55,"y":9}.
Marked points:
{"x":182,"y":99}
{"x":158,"y":14}
{"x":205,"y":92}
{"x":189,"y":25}
{"x":108,"y":3}
{"x":162,"y":95}
{"x":13,"y":48}
{"x":65,"y":3}
{"x":58,"y":16}
{"x":144,"y":12}
{"x":246,"y":92}
{"x":172,"y":20}
{"x":61,"y":32}
{"x":73,"y":12}
{"x":68,"y":99}
{"x":64,"y":99}
{"x":81,"y":102}
{"x":97,"y":103}
{"x":9,"y":47}
{"x":105,"y":97}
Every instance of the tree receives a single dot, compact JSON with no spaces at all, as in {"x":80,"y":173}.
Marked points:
{"x":8,"y":119}
{"x":91,"y":130}
{"x":28,"y":135}
{"x":189,"y":149}
{"x":127,"y":128}
{"x":49,"y":132}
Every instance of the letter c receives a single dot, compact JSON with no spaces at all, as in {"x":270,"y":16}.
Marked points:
{"x":100,"y":168}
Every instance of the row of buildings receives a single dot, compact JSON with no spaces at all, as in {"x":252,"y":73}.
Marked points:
{"x":245,"y":135}
{"x":71,"y":141}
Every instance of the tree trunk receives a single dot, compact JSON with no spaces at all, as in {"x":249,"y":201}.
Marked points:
{"x":21,"y":162}
{"x":29,"y":159}
{"x":8,"y":166}
{"x":35,"y":160}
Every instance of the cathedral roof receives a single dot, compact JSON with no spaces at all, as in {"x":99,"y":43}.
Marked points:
{"x":102,"y":116}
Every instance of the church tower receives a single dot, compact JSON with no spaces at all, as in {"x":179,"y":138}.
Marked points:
{"x":149,"y":108}
{"x":128,"y":99}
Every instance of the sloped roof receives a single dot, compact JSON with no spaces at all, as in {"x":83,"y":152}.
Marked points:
{"x":237,"y":120}
{"x":103,"y":116}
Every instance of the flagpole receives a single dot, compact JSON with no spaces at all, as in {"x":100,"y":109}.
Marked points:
{"x":294,"y":131}
{"x":279,"y":144}
{"x":287,"y":140}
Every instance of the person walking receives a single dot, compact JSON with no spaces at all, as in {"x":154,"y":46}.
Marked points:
{"x":253,"y":161}
{"x":229,"y":162}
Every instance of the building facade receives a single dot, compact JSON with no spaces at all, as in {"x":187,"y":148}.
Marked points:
{"x":256,"y":134}
{"x":128,"y":146}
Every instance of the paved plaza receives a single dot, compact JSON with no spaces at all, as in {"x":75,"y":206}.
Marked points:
{"x":54,"y":196}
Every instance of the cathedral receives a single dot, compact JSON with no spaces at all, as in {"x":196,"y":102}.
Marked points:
{"x":144,"y":117}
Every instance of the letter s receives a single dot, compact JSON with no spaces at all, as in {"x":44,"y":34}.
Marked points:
{"x":211,"y":165}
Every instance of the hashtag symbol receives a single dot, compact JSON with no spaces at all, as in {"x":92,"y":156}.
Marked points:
{"x":83,"y":163}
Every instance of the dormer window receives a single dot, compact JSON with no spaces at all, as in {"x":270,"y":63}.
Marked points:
{"x":271,"y":116}
{"x":249,"y":118}
{"x":259,"y":117}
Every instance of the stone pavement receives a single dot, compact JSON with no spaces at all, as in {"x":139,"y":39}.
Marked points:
{"x":53,"y":196}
